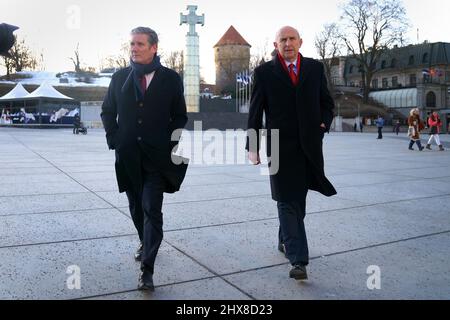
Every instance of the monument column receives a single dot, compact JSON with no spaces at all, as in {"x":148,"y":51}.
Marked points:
{"x":191,"y":73}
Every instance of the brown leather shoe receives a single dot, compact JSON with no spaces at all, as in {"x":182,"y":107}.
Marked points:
{"x":298,"y":272}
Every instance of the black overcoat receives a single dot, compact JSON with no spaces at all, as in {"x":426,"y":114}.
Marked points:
{"x":142,"y":127}
{"x":297,"y":112}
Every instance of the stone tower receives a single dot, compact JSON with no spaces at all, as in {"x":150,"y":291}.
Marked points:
{"x":232,"y":55}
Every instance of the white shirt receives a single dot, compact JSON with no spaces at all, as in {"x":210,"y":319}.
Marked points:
{"x":149,"y":78}
{"x":294,"y":63}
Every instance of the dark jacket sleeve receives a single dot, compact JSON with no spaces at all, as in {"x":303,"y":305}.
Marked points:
{"x":178,"y":113}
{"x":109,"y":115}
{"x":326,"y":101}
{"x":255,"y":116}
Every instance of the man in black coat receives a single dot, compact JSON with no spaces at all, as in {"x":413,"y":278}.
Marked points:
{"x":292,"y":93}
{"x":143,"y":114}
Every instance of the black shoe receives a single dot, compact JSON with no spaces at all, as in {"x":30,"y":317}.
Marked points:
{"x":411,"y":148}
{"x":138,"y":254}
{"x":428,"y":146}
{"x":421,"y":148}
{"x":146,"y":281}
{"x":298,"y":272}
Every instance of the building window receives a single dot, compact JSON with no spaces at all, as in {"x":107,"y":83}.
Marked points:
{"x":431,"y":100}
{"x":447,"y":76}
{"x":425,"y":58}
{"x":383,"y":64}
{"x":412,"y":80}
{"x":411,"y":60}
{"x":384,"y":82}
{"x":351,"y":69}
{"x":393,"y":63}
{"x":375,"y":84}
{"x":426,"y":78}
{"x":394,"y":82}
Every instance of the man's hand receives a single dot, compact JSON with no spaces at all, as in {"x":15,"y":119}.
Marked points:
{"x":254,"y":158}
{"x":323,"y":126}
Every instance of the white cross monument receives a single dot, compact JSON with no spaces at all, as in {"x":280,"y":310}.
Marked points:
{"x":191,"y":60}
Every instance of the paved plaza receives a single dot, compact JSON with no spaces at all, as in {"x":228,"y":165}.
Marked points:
{"x":386,"y":235}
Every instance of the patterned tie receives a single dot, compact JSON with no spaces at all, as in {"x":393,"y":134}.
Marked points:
{"x":292,"y":74}
{"x":143,"y":84}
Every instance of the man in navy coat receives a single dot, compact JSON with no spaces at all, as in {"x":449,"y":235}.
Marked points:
{"x":143,"y":108}
{"x":292,"y":92}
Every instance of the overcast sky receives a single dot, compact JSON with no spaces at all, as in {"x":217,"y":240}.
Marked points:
{"x":54,"y":27}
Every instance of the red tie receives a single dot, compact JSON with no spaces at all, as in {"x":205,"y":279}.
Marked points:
{"x":143,"y":84}
{"x":292,"y":74}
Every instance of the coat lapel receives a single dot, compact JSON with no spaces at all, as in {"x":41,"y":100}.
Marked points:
{"x":156,"y":83}
{"x":279,"y":71}
{"x":158,"y":77}
{"x":128,"y":86}
{"x":305,"y":68}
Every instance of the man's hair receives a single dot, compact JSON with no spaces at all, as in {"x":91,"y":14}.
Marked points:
{"x":277,"y":36}
{"x":151,"y":34}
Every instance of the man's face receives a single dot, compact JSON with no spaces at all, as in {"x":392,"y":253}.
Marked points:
{"x":288,"y":43}
{"x":141,"y":50}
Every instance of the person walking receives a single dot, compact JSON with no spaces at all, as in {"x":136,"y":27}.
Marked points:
{"x":380,"y":124}
{"x":415,"y":126}
{"x":142,"y":113}
{"x":434,"y":122}
{"x":291,"y":90}
{"x":397,"y":127}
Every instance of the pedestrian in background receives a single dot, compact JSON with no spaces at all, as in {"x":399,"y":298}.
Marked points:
{"x":434,"y":122}
{"x":415,"y":126}
{"x":380,"y":124}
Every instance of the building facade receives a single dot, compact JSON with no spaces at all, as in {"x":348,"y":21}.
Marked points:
{"x":405,"y":77}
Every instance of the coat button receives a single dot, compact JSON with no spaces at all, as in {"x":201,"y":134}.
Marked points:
{"x":140,"y":121}
{"x":141,"y":104}
{"x":139,"y":138}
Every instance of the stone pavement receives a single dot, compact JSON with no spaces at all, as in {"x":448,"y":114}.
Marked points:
{"x":59,"y":207}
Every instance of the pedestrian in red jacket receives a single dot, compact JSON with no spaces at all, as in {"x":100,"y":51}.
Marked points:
{"x":434,"y":122}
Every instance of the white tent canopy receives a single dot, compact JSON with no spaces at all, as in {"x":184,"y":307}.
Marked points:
{"x":18,"y":92}
{"x":401,"y":98}
{"x":47,"y":91}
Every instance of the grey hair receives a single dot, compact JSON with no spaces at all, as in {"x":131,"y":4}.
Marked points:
{"x":151,"y":34}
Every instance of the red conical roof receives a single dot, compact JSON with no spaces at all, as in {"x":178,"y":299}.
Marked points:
{"x":232,"y":37}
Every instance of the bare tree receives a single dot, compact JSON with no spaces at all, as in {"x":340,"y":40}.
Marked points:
{"x":76,"y":60}
{"x":261,"y":55}
{"x":21,"y":57}
{"x":371,"y":27}
{"x":119,"y":61}
{"x":175,"y":60}
{"x":328,"y":45}
{"x":8,"y":64}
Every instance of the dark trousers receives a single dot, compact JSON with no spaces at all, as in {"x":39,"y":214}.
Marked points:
{"x":292,"y":230}
{"x":146,"y":212}
{"x":380,"y":133}
{"x":411,"y":143}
